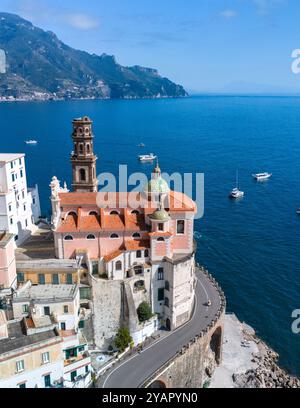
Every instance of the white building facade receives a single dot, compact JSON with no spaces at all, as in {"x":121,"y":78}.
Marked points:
{"x":19,"y":206}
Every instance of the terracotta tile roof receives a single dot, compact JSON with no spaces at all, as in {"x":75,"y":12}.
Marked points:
{"x":160,"y":234}
{"x":69,"y":224}
{"x":113,"y":222}
{"x":135,"y":244}
{"x":113,"y":255}
{"x":177,"y":201}
{"x":135,"y":222}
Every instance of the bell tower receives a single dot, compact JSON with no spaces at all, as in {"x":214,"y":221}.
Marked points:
{"x":83,"y":158}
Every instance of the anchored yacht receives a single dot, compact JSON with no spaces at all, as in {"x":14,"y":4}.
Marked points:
{"x":262,"y":176}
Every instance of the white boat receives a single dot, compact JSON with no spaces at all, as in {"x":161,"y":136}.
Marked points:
{"x":141,"y":145}
{"x":147,"y":157}
{"x":31,"y":141}
{"x":236,"y":192}
{"x":262,"y":176}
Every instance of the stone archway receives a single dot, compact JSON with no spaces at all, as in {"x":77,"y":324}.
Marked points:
{"x":157,"y":384}
{"x":216,"y":344}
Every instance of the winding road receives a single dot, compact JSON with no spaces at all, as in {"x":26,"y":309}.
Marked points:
{"x":135,"y":370}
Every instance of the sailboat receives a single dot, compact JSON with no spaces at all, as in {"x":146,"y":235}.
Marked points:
{"x":236,"y":192}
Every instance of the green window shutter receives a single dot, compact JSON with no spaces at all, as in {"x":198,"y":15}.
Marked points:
{"x":160,"y":294}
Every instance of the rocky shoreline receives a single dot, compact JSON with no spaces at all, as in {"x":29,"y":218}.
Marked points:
{"x":248,"y":362}
{"x":267,"y":374}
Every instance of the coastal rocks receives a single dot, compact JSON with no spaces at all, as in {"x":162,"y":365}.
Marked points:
{"x":267,"y":374}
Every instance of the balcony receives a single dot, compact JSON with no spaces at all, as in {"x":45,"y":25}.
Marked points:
{"x":78,"y":361}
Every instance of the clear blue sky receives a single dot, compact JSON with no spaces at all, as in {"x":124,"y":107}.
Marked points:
{"x":206,"y":45}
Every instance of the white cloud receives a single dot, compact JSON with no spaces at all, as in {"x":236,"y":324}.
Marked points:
{"x":81,"y":21}
{"x":228,"y":14}
{"x":263,"y":6}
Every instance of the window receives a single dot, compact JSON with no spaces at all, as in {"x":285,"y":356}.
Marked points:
{"x":66,"y":309}
{"x":21,"y":173}
{"x":69,"y":279}
{"x":68,"y":238}
{"x":13,"y":177}
{"x":88,"y":148}
{"x":91,"y":236}
{"x":135,"y":212}
{"x":16,"y":237}
{"x":11,"y":221}
{"x":46,"y":357}
{"x":114,"y":236}
{"x":25,"y":309}
{"x":160,"y":294}
{"x":20,"y":277}
{"x":166,"y":301}
{"x":118,"y":266}
{"x":73,"y":375}
{"x":20,"y":366}
{"x":86,"y":369}
{"x":160,"y":239}
{"x":146,"y":253}
{"x":24,"y":207}
{"x":9,"y":208}
{"x":72,"y":213}
{"x":11,"y":165}
{"x":81,"y":148}
{"x":33,"y":200}
{"x":46,"y":311}
{"x":82,"y":175}
{"x":114,"y":212}
{"x":93,"y":213}
{"x":62,"y":326}
{"x":41,"y":278}
{"x":160,"y":274}
{"x":180,"y":226}
{"x":81,"y":324}
{"x":160,"y":226}
{"x":23,"y":194}
{"x":138,"y":254}
{"x":47,"y":380}
{"x":20,"y":162}
{"x":167,"y":285}
{"x":136,"y":235}
{"x":55,"y":279}
{"x":26,"y":223}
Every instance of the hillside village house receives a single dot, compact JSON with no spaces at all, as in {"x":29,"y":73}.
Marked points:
{"x":19,"y":205}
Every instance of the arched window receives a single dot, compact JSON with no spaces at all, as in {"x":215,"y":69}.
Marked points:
{"x":138,"y":254}
{"x":88,"y":149}
{"x":146,"y":253}
{"x":82,"y":174}
{"x":160,"y":239}
{"x":136,"y":235}
{"x":72,"y":213}
{"x":118,"y":266}
{"x":68,"y":238}
{"x":114,"y":236}
{"x":93,"y":213}
{"x":81,"y":148}
{"x":135,"y":212}
{"x":114,"y":212}
{"x":91,"y":236}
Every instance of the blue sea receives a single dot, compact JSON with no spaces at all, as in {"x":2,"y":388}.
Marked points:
{"x":251,"y":246}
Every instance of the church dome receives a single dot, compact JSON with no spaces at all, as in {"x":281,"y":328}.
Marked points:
{"x":160,"y":215}
{"x":157,"y":186}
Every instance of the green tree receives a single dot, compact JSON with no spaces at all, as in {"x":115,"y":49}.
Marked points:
{"x":144,"y":312}
{"x":123,"y":339}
